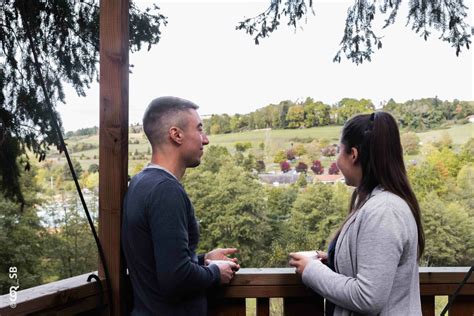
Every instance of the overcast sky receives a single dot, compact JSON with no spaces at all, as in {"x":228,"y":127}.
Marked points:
{"x":203,"y":58}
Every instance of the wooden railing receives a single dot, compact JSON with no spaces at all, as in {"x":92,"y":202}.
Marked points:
{"x":75,"y":295}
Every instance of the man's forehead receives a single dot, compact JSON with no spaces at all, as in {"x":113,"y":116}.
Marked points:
{"x":194,"y":116}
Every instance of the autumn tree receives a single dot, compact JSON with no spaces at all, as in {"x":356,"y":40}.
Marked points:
{"x":285,"y":166}
{"x":317,"y":167}
{"x":301,"y":167}
{"x":333,"y":169}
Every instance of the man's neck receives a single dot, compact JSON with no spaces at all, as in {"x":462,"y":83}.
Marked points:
{"x":170,"y":164}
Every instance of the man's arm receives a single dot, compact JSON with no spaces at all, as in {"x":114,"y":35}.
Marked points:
{"x":177,"y":274}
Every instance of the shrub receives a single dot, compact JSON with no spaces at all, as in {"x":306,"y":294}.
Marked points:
{"x":317,"y":167}
{"x":290,"y":154}
{"x":285,"y":166}
{"x":333,"y":169}
{"x":301,"y":167}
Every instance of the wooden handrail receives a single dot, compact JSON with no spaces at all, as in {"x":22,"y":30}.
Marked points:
{"x":76,"y":295}
{"x":73,"y":294}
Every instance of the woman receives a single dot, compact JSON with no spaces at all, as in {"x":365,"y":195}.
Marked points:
{"x":373,"y":259}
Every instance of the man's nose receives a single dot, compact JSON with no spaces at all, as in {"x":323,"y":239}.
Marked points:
{"x":205,"y":140}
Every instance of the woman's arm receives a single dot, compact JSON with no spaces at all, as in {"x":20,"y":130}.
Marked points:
{"x":380,"y":242}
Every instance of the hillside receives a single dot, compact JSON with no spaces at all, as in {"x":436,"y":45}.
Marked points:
{"x":273,"y":140}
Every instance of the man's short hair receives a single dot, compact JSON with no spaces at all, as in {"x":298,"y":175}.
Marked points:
{"x":163,"y":113}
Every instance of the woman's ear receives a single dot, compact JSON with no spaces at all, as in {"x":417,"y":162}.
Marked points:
{"x":176,"y":135}
{"x":354,"y":155}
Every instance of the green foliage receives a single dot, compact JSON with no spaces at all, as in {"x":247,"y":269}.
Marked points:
{"x":67,"y":172}
{"x":316,"y":214}
{"x":89,"y":131}
{"x":78,"y":147}
{"x":93,"y":168}
{"x":65,"y":35}
{"x":467,"y":151}
{"x":69,"y":246}
{"x":260,"y":166}
{"x":231,"y":208}
{"x":426,"y":178}
{"x":279,"y":156}
{"x":295,"y":116}
{"x":349,"y":107}
{"x":20,"y":230}
{"x":449,"y":232}
{"x":446,"y":161}
{"x":302,"y":182}
{"x":242,"y":147}
{"x":214,"y":157}
{"x":428,"y":113}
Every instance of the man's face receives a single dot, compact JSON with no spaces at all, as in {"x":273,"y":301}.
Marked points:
{"x":194,"y":140}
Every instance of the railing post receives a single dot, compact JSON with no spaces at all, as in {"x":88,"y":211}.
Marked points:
{"x":263,"y":306}
{"x":113,"y":136}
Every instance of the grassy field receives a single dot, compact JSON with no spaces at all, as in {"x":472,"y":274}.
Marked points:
{"x":281,"y":135}
{"x":459,"y":133}
{"x":273,"y":141}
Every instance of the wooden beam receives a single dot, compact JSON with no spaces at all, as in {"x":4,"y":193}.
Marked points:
{"x":113,"y":135}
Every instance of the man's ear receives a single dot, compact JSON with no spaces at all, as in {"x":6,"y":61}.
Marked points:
{"x":354,"y":155}
{"x":176,"y":135}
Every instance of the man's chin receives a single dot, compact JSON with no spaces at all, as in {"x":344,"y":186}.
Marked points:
{"x":194,"y":164}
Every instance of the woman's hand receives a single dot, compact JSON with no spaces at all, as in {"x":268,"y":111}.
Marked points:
{"x":322,"y":256}
{"x":299,"y":262}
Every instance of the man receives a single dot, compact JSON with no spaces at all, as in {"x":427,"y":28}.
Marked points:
{"x":160,"y":233}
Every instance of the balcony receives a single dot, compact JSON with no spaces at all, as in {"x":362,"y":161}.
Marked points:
{"x":76,"y":296}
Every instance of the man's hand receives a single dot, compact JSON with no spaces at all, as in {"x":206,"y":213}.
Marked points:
{"x":221,"y":254}
{"x":299,"y":262}
{"x":227,"y":269}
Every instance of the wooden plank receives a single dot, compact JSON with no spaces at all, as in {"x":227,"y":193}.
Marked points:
{"x":227,"y":307}
{"x":263,"y":306}
{"x":444,"y":275}
{"x":113,"y":136}
{"x":428,"y":305}
{"x":445,"y":289}
{"x":295,"y":306}
{"x":265,"y":291}
{"x":66,"y":292}
{"x":463,"y":306}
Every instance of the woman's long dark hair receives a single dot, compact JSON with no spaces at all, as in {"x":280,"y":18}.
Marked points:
{"x":377,"y":140}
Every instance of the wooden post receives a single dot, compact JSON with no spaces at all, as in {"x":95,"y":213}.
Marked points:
{"x":113,"y":136}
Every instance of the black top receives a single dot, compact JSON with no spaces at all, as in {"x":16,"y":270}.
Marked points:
{"x":160,"y":235}
{"x":331,"y":251}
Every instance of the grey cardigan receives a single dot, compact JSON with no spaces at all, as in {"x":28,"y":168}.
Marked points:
{"x":375,"y":261}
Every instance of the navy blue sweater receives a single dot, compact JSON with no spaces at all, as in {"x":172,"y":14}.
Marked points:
{"x":159,"y":239}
